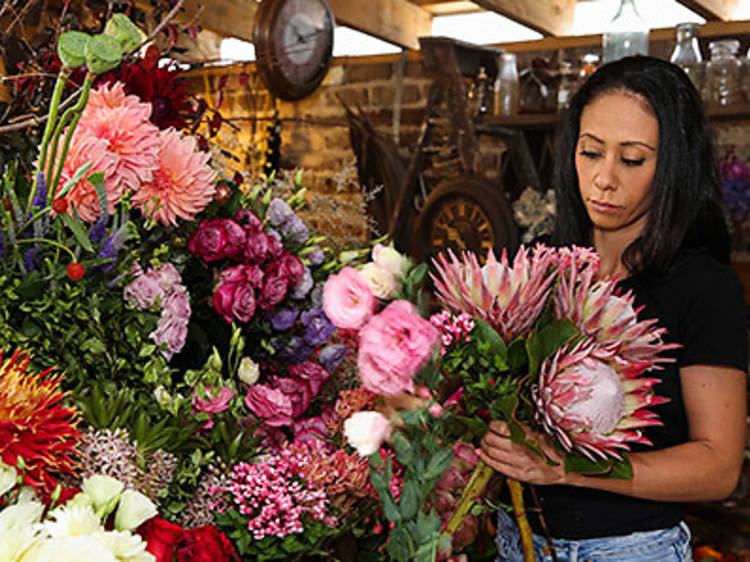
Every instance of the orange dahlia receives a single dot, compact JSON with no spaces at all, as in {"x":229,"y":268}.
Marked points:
{"x":35,"y":424}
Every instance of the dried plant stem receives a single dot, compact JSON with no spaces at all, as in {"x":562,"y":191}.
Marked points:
{"x":527,"y":543}
{"x":474,"y":489}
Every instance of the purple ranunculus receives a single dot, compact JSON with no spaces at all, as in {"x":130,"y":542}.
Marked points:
{"x":318,"y":327}
{"x":279,"y":212}
{"x":256,"y":247}
{"x":217,"y":239}
{"x":303,"y":286}
{"x":332,"y":355}
{"x":284,"y":318}
{"x":295,"y":230}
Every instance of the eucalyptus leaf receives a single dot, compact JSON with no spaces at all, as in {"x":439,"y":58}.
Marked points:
{"x":71,"y":48}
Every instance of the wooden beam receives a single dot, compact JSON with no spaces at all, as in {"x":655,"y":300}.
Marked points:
{"x":228,"y":18}
{"x":712,"y":10}
{"x":548,"y":17}
{"x":397,"y":21}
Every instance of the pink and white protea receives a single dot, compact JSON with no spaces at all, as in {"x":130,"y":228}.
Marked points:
{"x":599,"y":312}
{"x":593,"y":401}
{"x":509,"y":297}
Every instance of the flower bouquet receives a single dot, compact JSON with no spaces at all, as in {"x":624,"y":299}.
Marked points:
{"x":538,"y":342}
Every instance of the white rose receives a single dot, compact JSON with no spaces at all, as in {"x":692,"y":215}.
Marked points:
{"x":248,"y":371}
{"x":382,"y":282}
{"x":365,"y":431}
{"x":7,"y":477}
{"x":390,"y":260}
{"x":104,"y":492}
{"x":83,"y":548}
{"x":134,"y":510}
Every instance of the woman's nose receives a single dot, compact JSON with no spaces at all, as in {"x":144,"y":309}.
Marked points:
{"x":606,"y":176}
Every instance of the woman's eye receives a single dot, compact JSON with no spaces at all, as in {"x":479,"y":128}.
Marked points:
{"x":589,"y":154}
{"x":632,"y":161}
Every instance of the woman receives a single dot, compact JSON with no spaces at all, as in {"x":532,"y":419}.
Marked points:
{"x":635,"y":178}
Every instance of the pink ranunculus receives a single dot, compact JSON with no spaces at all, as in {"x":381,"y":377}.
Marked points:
{"x":273,"y":292}
{"x":298,"y":392}
{"x":217,"y":239}
{"x":270,"y":404}
{"x":365,"y":431}
{"x":393,"y":346}
{"x":314,"y":374}
{"x":212,"y":404}
{"x":309,"y":429}
{"x":348,"y":300}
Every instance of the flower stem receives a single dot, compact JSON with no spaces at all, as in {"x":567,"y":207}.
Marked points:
{"x":48,"y":241}
{"x":516,"y":496}
{"x":474,"y":489}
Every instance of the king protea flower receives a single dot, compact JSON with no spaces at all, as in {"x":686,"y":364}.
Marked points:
{"x":593,"y":401}
{"x":599,"y":312}
{"x":35,"y":425}
{"x":508,"y":297}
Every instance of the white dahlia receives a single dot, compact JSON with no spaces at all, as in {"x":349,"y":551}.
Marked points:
{"x":594,"y":401}
{"x":508,"y":297}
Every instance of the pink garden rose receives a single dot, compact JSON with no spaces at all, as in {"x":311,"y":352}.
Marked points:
{"x":348,"y":300}
{"x":256,"y":247}
{"x":270,"y":404}
{"x":213,"y":404}
{"x":393,"y":346}
{"x":273,"y":292}
{"x":235,"y":301}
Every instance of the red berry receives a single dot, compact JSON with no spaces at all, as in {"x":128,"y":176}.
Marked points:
{"x":377,"y":529}
{"x":60,"y":206}
{"x":75,"y":271}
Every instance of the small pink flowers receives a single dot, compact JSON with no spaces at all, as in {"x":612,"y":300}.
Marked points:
{"x":348,"y":300}
{"x":453,"y":329}
{"x":273,"y":496}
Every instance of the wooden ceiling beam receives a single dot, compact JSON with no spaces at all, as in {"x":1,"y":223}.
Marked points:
{"x":548,"y":17}
{"x":712,"y":10}
{"x":397,"y":21}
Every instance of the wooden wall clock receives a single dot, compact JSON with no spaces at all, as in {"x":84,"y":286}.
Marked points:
{"x":293,"y":45}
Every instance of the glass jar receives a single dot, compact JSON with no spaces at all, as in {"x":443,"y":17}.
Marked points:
{"x":686,"y":53}
{"x":723,"y":81}
{"x":506,"y":86}
{"x":567,"y":86}
{"x":626,"y":34}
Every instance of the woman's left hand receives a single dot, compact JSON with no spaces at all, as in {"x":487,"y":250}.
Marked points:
{"x":518,"y":461}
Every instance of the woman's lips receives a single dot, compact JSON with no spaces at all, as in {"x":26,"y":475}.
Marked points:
{"x":603,"y":206}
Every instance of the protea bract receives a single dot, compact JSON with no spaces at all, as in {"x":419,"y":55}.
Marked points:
{"x":599,"y":312}
{"x":594,"y":401}
{"x":510,"y":297}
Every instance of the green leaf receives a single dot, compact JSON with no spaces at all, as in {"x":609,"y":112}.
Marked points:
{"x":622,"y":469}
{"x":417,"y":275}
{"x":428,"y":524}
{"x":97,"y":180}
{"x":398,"y":546}
{"x":611,"y":468}
{"x":80,"y":235}
{"x":485,"y":333}
{"x":517,"y":358}
{"x":404,"y":449}
{"x":438,"y":464}
{"x":70,"y":184}
{"x":546,"y":341}
{"x":408,"y":499}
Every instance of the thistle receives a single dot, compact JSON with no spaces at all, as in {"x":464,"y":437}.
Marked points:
{"x":508,"y":297}
{"x":37,"y":430}
{"x":593,"y":401}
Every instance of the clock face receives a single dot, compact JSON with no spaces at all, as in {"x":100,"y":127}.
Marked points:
{"x":460,"y":224}
{"x":294,"y":44}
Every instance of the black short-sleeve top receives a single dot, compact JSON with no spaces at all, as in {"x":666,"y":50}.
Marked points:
{"x":700,"y":303}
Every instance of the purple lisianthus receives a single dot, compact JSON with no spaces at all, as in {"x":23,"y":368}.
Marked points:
{"x":284,"y":318}
{"x":303,"y":286}
{"x":295,"y":230}
{"x":332,"y":355}
{"x":318,"y":327}
{"x":316,"y":257}
{"x":295,"y":350}
{"x":279,"y":212}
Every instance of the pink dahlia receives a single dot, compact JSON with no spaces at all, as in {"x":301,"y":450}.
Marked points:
{"x":599,"y":312}
{"x":510,"y":297}
{"x":182,"y":185}
{"x":593,"y":401}
{"x":84,"y":148}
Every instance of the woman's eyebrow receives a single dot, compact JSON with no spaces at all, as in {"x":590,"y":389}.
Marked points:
{"x":624,"y":143}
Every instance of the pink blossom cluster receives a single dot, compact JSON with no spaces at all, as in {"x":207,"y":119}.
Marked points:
{"x":273,"y":495}
{"x":167,"y":177}
{"x":394,"y":344}
{"x":162,"y":287}
{"x":452,"y":328}
{"x":265,"y":273}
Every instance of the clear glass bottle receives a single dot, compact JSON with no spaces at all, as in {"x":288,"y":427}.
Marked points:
{"x":627,"y":34}
{"x":686,"y":53}
{"x":567,"y":85}
{"x":723,"y":82}
{"x":482,"y":84}
{"x":507,"y":96}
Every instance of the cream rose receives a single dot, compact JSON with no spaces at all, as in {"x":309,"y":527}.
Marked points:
{"x":365,"y":431}
{"x":389,"y":259}
{"x":382,"y":282}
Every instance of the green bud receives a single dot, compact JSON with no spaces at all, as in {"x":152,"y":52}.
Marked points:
{"x":214,"y":362}
{"x":103,"y":53}
{"x":267,"y":197}
{"x":124,"y":32}
{"x":71,"y":48}
{"x":55,"y":495}
{"x":298,"y":178}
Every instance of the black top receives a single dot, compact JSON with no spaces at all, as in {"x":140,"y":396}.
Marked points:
{"x":700,"y":303}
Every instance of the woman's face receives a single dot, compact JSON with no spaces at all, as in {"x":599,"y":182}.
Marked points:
{"x":616,"y":158}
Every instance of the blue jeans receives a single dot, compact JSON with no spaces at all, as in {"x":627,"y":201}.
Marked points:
{"x":663,"y":545}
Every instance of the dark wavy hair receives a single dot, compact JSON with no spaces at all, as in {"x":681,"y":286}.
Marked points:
{"x":686,"y":208}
